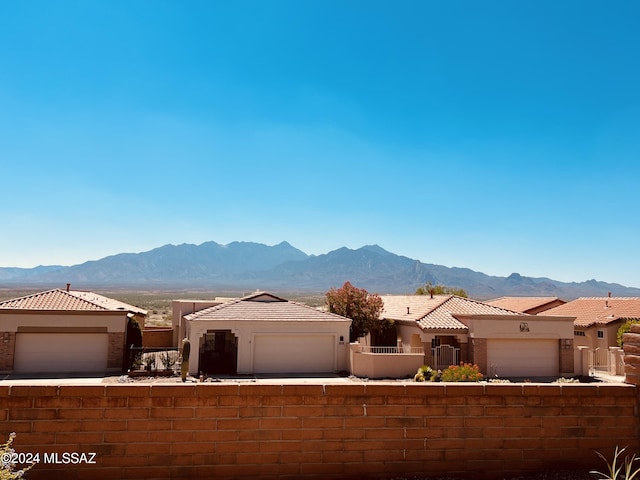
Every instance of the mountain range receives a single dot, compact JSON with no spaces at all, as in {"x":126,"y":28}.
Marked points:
{"x":249,"y":266}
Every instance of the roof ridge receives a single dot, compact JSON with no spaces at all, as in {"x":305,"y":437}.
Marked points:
{"x":438,"y":305}
{"x":30,"y":295}
{"x":607,"y":298}
{"x":478,"y":302}
{"x":58,"y":291}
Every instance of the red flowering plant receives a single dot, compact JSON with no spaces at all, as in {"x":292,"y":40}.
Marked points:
{"x":465,"y":372}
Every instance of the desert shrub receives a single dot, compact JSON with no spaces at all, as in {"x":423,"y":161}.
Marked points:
{"x":566,"y":380}
{"x":427,"y":374}
{"x":465,"y":372}
{"x":167,"y":360}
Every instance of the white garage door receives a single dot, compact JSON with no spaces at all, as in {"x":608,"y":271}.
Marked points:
{"x":523,"y":358}
{"x":60,"y":352}
{"x":294,"y":353}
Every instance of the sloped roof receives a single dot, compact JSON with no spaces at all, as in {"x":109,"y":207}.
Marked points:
{"x":108,"y":303}
{"x":51,"y":300}
{"x":263,"y":306}
{"x":598,"y":310}
{"x":522,"y":304}
{"x":437,"y":313}
{"x":65,"y":300}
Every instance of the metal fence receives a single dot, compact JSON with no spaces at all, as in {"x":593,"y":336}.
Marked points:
{"x":403,"y":350}
{"x":154,"y":359}
{"x":444,"y":356}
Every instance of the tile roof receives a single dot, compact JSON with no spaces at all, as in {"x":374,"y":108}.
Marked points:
{"x":264,"y":307}
{"x":51,"y":300}
{"x":521,"y":304}
{"x":598,"y":310}
{"x":108,"y":303}
{"x":437,"y":313}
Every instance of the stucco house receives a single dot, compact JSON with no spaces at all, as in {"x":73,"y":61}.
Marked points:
{"x":502,"y":342}
{"x":261,"y":333}
{"x":64,"y":331}
{"x":597,"y":319}
{"x":530,"y":305}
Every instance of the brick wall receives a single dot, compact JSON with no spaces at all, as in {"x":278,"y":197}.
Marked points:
{"x":351,"y":430}
{"x":115,"y":355}
{"x":7,"y":350}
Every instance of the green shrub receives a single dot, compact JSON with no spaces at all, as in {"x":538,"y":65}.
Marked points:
{"x":427,"y":374}
{"x":624,"y":328}
{"x":465,"y":372}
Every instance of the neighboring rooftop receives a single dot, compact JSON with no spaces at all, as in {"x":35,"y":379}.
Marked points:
{"x":58,"y":299}
{"x":438,"y":312}
{"x":108,"y":303}
{"x":55,"y":299}
{"x":264,"y":307}
{"x":530,"y":305}
{"x":599,"y":310}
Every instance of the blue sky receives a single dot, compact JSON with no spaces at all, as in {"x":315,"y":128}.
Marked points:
{"x":500,"y":136}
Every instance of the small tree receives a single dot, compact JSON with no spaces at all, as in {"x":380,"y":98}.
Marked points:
{"x":357,"y":304}
{"x":430,"y":289}
{"x":134,"y":339}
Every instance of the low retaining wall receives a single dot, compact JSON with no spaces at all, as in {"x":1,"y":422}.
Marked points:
{"x":631,"y":347}
{"x":351,"y":430}
{"x":383,"y":365}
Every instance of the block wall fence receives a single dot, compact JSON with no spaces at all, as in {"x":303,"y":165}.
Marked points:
{"x":334,"y":431}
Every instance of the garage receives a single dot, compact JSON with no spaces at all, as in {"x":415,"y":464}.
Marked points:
{"x":523,"y":357}
{"x":302,"y":353}
{"x":61,"y":352}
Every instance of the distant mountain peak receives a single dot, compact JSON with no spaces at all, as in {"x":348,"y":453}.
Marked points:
{"x":250,"y":265}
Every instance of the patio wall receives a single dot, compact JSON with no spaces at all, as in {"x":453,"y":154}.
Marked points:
{"x":347,"y":430}
{"x":364,"y":364}
{"x":157,"y":337}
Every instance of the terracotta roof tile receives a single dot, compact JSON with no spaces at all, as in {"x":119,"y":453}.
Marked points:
{"x":108,"y":303}
{"x":598,"y":310}
{"x":51,"y":300}
{"x":521,"y":304}
{"x":437,"y":313}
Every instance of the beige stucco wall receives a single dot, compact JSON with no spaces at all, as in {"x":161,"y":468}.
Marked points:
{"x":383,"y":365}
{"x":179,"y":309}
{"x":591,"y":340}
{"x":510,"y":326}
{"x":10,"y":320}
{"x":245,"y":330}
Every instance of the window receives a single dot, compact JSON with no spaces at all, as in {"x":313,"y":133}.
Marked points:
{"x":579,"y":333}
{"x":600,"y":333}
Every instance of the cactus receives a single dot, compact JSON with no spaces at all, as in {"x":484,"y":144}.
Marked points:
{"x":186,"y":351}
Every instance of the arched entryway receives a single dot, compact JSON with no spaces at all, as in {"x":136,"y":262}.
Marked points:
{"x":218,"y":352}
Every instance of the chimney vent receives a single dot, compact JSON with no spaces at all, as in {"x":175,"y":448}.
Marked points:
{"x":68,"y":286}
{"x":407,"y":310}
{"x":609,"y":294}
